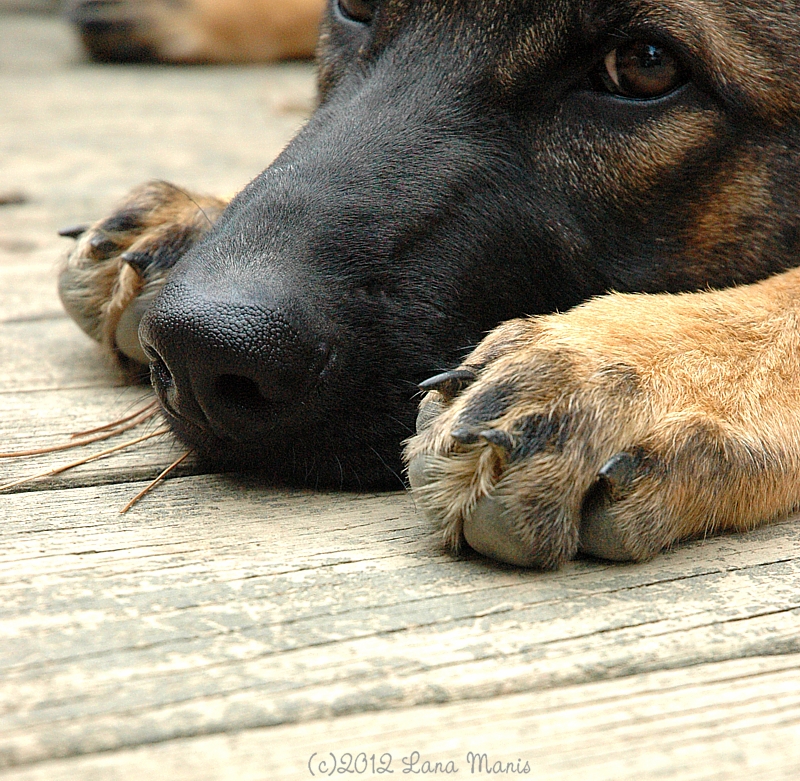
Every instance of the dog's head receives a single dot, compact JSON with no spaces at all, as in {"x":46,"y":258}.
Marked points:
{"x":473,"y":161}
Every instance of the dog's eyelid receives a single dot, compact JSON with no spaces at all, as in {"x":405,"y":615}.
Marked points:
{"x":615,"y":39}
{"x":359,"y":12}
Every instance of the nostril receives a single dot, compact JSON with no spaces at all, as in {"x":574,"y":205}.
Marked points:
{"x":239,"y":392}
{"x":160,"y":374}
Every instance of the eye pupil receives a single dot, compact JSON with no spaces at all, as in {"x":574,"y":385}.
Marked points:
{"x":651,"y":56}
{"x":360,"y":11}
{"x":641,"y":70}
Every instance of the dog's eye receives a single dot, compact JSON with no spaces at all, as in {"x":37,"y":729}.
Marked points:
{"x":360,"y":11}
{"x":641,"y":70}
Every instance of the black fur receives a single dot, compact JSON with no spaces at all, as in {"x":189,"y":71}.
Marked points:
{"x":462,"y":168}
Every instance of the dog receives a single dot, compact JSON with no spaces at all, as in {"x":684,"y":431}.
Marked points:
{"x":609,"y":190}
{"x":196,"y":31}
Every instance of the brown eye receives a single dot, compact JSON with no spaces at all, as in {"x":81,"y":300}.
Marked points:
{"x":641,"y":70}
{"x":360,"y":11}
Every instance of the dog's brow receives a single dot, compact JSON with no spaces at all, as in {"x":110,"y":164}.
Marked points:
{"x":536,"y":46}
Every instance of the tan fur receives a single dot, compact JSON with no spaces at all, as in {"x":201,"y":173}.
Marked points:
{"x":703,"y":385}
{"x":233,"y":30}
{"x":96,"y":284}
{"x":739,"y":193}
{"x":238,"y":30}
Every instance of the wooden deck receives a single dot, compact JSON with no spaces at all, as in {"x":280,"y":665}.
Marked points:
{"x":224,"y":630}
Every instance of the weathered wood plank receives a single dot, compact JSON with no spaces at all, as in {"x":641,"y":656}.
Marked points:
{"x":28,"y":274}
{"x":28,"y":293}
{"x":32,"y":418}
{"x":222,"y":606}
{"x":38,"y":419}
{"x":50,"y":354}
{"x":225,"y":630}
{"x":738,"y":719}
{"x":75,"y":140}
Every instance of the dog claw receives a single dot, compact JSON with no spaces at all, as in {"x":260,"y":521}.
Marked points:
{"x":600,"y":535}
{"x":500,"y":439}
{"x":449,"y":384}
{"x":138,"y":261}
{"x":102,"y":245}
{"x":73,"y":231}
{"x":618,"y":473}
{"x":466,"y":435}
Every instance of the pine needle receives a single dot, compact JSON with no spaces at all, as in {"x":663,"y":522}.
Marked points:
{"x":129,"y":422}
{"x":176,"y":463}
{"x":151,"y":407}
{"x":98,"y":434}
{"x":87,"y":460}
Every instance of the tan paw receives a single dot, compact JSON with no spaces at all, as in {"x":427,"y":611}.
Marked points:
{"x":121,"y":262}
{"x":196,"y":31}
{"x":625,"y":425}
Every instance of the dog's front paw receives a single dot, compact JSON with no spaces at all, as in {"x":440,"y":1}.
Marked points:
{"x":618,"y":428}
{"x":196,"y":31}
{"x":512,"y":446}
{"x":121,"y":262}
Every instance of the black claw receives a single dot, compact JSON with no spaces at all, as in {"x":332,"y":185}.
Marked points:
{"x":499,"y":439}
{"x":451,"y":383}
{"x":73,"y":231}
{"x":466,"y":435}
{"x":140,"y":262}
{"x":102,"y":245}
{"x":124,"y":222}
{"x":619,"y":472}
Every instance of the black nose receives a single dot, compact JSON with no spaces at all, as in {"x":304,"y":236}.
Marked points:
{"x":234,"y":368}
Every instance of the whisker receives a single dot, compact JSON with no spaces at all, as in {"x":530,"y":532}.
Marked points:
{"x":176,"y":463}
{"x":402,"y":423}
{"x":188,"y":198}
{"x":151,"y":406}
{"x":391,"y":471}
{"x":87,"y":460}
{"x":130,"y":422}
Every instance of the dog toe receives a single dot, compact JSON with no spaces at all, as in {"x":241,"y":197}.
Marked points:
{"x":532,"y":489}
{"x":490,"y":529}
{"x":534,"y":455}
{"x":120,"y":263}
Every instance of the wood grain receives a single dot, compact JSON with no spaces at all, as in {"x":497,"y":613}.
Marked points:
{"x":227,"y":630}
{"x":40,"y":419}
{"x":738,"y":719}
{"x":224,"y":606}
